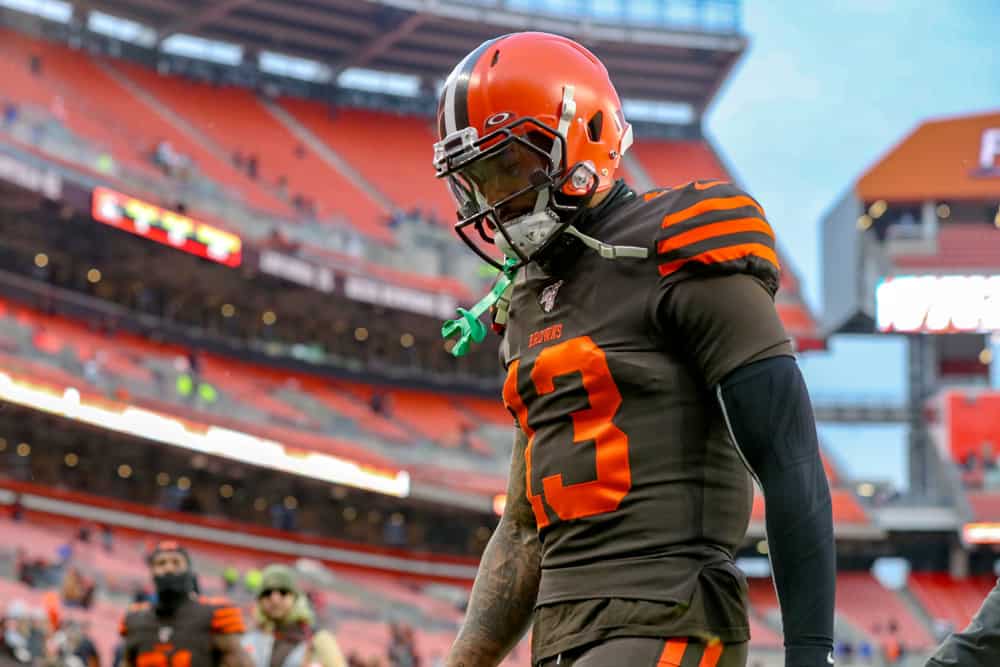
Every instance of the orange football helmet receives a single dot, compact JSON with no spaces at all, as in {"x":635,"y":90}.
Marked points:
{"x":530,"y":129}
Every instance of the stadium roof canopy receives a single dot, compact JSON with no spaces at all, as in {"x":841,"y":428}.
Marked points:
{"x":659,"y":50}
{"x":951,"y":158}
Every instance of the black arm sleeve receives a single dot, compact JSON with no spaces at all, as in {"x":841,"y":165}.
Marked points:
{"x":979,"y":644}
{"x":769,"y":413}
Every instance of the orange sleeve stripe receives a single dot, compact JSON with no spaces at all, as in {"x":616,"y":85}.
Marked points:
{"x":236,"y":618}
{"x":705,"y":185}
{"x":225,"y":611}
{"x":712,"y":654}
{"x":723,"y":255}
{"x":231,"y":629}
{"x":673,"y":653}
{"x":708,"y":205}
{"x":714,"y":229}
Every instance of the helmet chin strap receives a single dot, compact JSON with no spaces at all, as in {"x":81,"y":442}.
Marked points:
{"x":606,"y":250}
{"x":541,"y":221}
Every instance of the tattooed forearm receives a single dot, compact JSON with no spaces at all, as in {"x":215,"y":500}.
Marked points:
{"x":506,"y":586}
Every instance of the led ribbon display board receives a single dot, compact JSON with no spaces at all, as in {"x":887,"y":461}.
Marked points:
{"x":203,"y":438}
{"x":162,"y":226}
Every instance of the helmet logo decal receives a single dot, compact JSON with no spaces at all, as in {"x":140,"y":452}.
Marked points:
{"x":499,"y":118}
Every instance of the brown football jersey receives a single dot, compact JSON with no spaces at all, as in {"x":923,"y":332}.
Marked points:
{"x":183,"y":639}
{"x":637,"y":489}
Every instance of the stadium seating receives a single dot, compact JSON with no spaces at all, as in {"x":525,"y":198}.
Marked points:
{"x":269,"y":403}
{"x":985,"y":505}
{"x":972,"y":422}
{"x":949,"y":599}
{"x":98,"y":107}
{"x":959,"y":246}
{"x":249,"y":129}
{"x":864,"y":602}
{"x":871,"y":608}
{"x":403,"y":173}
{"x":672,"y":163}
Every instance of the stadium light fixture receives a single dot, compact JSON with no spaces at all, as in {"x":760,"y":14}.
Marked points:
{"x":54,"y":10}
{"x":878,"y":209}
{"x":943,"y":211}
{"x":864,"y":222}
{"x":41,"y":260}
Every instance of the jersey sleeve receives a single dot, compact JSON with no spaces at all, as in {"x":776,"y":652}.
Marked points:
{"x":227,"y":619}
{"x":722,"y":323}
{"x":715,"y":228}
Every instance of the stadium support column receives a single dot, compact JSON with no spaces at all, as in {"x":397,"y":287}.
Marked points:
{"x":921,"y":384}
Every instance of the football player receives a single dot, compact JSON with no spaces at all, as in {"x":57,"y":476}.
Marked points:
{"x":181,"y":629}
{"x":979,"y":644}
{"x":647,"y":372}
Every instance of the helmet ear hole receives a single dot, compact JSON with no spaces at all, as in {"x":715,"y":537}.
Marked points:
{"x":595,"y":126}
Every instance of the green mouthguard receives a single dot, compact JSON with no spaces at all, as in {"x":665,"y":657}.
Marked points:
{"x":467,"y":326}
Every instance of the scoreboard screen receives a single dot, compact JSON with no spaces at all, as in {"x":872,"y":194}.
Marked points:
{"x":938,"y":304}
{"x":167,"y":227}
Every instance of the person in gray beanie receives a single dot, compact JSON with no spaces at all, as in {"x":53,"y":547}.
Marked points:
{"x":286,"y":634}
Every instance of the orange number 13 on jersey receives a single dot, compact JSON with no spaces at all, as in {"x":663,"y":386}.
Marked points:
{"x":594,"y":423}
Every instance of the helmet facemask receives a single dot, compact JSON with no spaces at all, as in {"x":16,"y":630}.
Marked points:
{"x":510,"y":185}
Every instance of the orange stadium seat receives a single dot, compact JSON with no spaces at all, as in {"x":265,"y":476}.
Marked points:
{"x":761,"y":635}
{"x":985,"y":505}
{"x":846,"y":508}
{"x":248,"y":128}
{"x":972,"y":421}
{"x":491,"y":411}
{"x":431,"y":415}
{"x":870,"y":608}
{"x":391,"y":151}
{"x":671,"y":163}
{"x":958,"y":245}
{"x":948,"y":599}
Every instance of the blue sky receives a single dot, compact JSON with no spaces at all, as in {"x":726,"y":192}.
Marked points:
{"x":821,"y":93}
